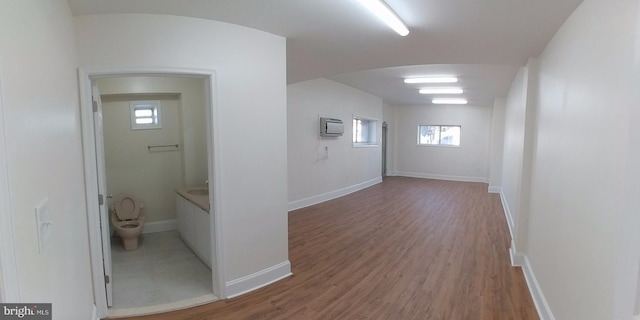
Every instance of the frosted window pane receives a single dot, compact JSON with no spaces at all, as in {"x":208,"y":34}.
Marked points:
{"x":144,"y":120}
{"x":144,"y":112}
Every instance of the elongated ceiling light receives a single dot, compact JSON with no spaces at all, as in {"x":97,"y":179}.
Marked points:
{"x":441,"y":79}
{"x":441,"y":91}
{"x":449,"y":101}
{"x":386,"y":14}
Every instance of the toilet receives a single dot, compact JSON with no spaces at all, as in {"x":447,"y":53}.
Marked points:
{"x":128,"y":220}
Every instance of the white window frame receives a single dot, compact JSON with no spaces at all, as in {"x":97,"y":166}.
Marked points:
{"x":372,"y":132}
{"x":155,"y":117}
{"x":438,"y":144}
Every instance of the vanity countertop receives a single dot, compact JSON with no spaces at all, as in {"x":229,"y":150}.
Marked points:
{"x":197,"y":195}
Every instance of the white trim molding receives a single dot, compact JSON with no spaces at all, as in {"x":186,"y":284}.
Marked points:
{"x":91,"y":192}
{"x":258,"y":280}
{"x":544,"y":311}
{"x":507,"y":212}
{"x":517,"y":258}
{"x":160,"y":226}
{"x":9,"y":287}
{"x":495,"y":189}
{"x":95,"y":243}
{"x":299,"y":204}
{"x":441,"y":177}
{"x":94,"y":313}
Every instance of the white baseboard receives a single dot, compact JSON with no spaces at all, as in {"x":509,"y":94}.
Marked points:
{"x":160,"y":226}
{"x":544,"y":312}
{"x":495,"y":189}
{"x":441,"y":177}
{"x":507,"y":212}
{"x":258,"y":280}
{"x":517,"y":258}
{"x":94,"y":313}
{"x":298,"y":204}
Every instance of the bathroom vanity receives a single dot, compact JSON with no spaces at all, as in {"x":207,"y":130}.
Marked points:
{"x":192,"y":210}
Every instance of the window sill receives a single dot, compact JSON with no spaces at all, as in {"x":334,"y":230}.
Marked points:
{"x":438,"y":145}
{"x":364,"y":145}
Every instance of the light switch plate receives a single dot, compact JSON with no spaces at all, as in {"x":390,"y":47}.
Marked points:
{"x":43,"y":224}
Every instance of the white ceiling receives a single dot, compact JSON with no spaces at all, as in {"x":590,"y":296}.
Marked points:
{"x":481,"y":41}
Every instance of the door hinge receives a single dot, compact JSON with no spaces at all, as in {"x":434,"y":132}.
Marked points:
{"x":106,"y":279}
{"x":100,"y":199}
{"x":95,"y":106}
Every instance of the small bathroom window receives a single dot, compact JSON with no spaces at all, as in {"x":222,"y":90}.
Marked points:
{"x":145,"y":115}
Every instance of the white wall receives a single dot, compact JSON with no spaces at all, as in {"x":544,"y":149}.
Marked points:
{"x":44,"y":156}
{"x":497,"y":144}
{"x":513,"y":150}
{"x":469,"y":162}
{"x":313,"y":177}
{"x":191,"y":91}
{"x":183,"y":122}
{"x":251,"y":86}
{"x":586,"y":93}
{"x":581,"y":251}
{"x":151,"y":176}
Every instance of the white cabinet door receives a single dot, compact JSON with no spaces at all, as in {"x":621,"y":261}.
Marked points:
{"x":194,"y":228}
{"x":188,"y":221}
{"x":190,"y":226}
{"x":202,"y":235}
{"x":180,"y":212}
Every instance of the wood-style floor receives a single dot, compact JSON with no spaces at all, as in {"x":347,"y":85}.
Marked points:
{"x":403,"y":249}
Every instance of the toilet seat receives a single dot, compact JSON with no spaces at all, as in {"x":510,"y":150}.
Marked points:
{"x":127,"y":207}
{"x":127,"y":218}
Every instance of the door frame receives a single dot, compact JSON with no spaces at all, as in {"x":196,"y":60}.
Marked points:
{"x":9,"y":288}
{"x":385,"y":147}
{"x":103,"y":213}
{"x":85,"y":75}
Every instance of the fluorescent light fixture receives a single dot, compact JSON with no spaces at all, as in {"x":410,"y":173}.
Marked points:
{"x":441,"y":79}
{"x":441,"y":91}
{"x":449,"y":101}
{"x":386,"y":14}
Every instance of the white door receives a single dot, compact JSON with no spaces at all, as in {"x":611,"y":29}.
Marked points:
{"x":102,"y":191}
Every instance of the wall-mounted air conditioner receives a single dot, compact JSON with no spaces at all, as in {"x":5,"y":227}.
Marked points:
{"x":330,"y":127}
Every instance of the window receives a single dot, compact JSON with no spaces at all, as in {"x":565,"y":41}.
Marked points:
{"x":364,"y":132}
{"x":439,"y":135}
{"x":145,"y":115}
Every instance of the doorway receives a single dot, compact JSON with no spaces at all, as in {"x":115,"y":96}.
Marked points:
{"x":154,"y":130}
{"x":384,"y":148}
{"x":99,"y":232}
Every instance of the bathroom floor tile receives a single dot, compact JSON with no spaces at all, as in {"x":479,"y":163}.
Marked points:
{"x":162,"y":270}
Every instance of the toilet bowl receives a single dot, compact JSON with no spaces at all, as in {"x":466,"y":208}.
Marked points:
{"x":128,"y":220}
